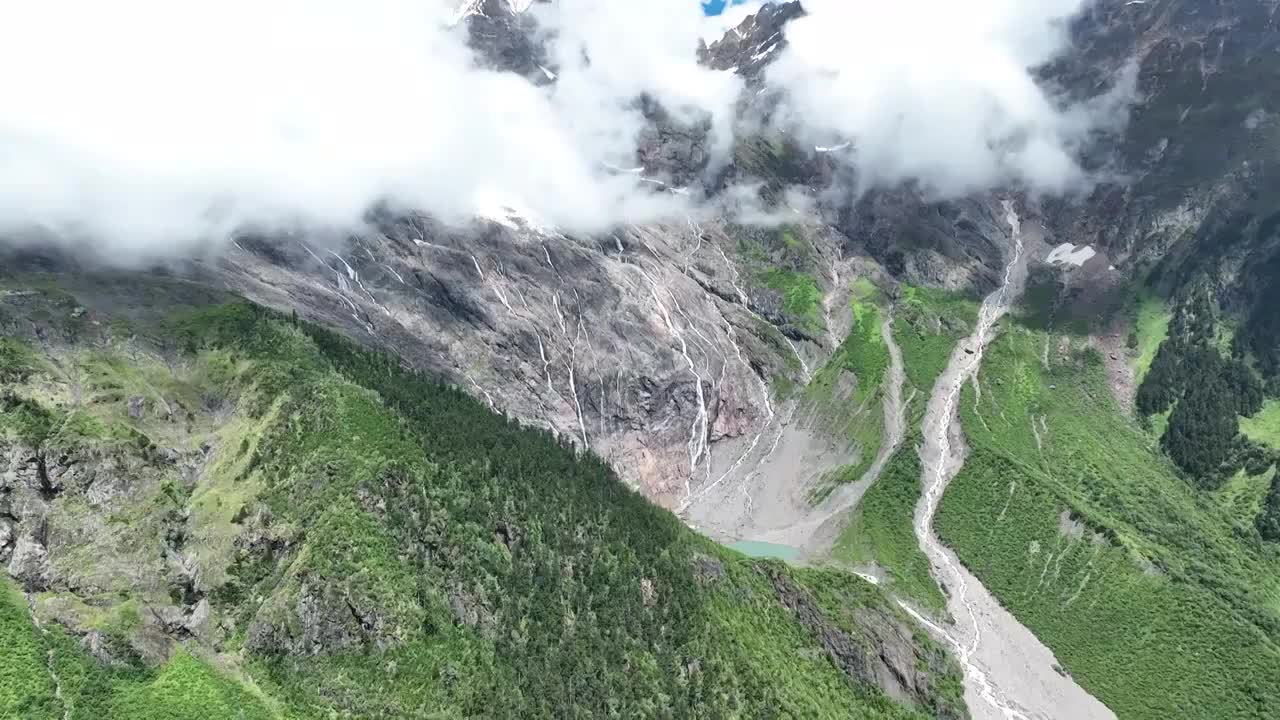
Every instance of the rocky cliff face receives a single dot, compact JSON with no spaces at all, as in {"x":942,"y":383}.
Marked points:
{"x":1200,"y":146}
{"x":96,"y":519}
{"x":648,"y":347}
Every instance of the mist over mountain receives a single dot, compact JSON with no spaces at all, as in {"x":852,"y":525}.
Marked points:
{"x":152,"y":129}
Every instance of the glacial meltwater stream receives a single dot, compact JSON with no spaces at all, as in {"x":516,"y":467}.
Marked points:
{"x":1009,"y":673}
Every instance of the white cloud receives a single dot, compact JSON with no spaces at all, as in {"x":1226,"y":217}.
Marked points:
{"x":938,"y":91}
{"x":152,"y":125}
{"x":611,"y":51}
{"x":156,"y":126}
{"x":741,"y":203}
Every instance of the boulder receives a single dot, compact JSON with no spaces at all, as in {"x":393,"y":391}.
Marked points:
{"x":29,"y":563}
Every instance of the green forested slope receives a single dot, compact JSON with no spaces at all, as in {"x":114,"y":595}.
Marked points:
{"x":367,"y":543}
{"x":1150,"y":591}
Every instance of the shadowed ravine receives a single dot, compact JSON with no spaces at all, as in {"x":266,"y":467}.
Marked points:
{"x":1009,"y":673}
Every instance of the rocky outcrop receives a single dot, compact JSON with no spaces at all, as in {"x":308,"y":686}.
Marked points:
{"x":7,"y":538}
{"x":675,"y":151}
{"x":29,"y":563}
{"x":883,"y":652}
{"x":92,"y":520}
{"x":750,"y":47}
{"x":505,"y":40}
{"x":315,"y":616}
{"x":25,"y":487}
{"x":930,"y":243}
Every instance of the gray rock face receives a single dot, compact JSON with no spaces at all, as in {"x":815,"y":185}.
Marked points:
{"x":673,"y":150}
{"x":647,"y":346}
{"x":184,"y":622}
{"x":1201,"y":143}
{"x":69,"y":526}
{"x":96,"y":645}
{"x":29,"y":563}
{"x":20,"y":469}
{"x":317,"y":621}
{"x":749,"y":48}
{"x":886,"y":656}
{"x":505,"y":40}
{"x":7,"y":539}
{"x":24,"y":487}
{"x":932,"y":243}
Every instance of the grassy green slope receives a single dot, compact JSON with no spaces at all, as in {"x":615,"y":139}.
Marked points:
{"x":880,"y":531}
{"x":455,"y":563}
{"x":1158,"y":600}
{"x":781,"y":264}
{"x":801,"y":297}
{"x":1150,"y":327}
{"x":47,"y":675}
{"x":1264,"y":427}
{"x":928,"y":325}
{"x":26,"y":688}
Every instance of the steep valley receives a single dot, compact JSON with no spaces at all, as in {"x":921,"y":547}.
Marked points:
{"x":997,"y":454}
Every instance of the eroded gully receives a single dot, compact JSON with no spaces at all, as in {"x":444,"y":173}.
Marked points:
{"x":819,"y":533}
{"x":1009,"y":673}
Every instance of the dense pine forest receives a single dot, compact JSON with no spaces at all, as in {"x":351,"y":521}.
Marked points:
{"x":1207,"y":390}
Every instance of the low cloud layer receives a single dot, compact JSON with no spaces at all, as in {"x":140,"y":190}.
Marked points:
{"x":153,"y":126}
{"x":940,"y":92}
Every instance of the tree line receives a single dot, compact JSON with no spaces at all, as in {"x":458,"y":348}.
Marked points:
{"x":1207,"y":392}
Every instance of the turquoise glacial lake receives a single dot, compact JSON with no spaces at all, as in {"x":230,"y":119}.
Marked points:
{"x":754,"y":548}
